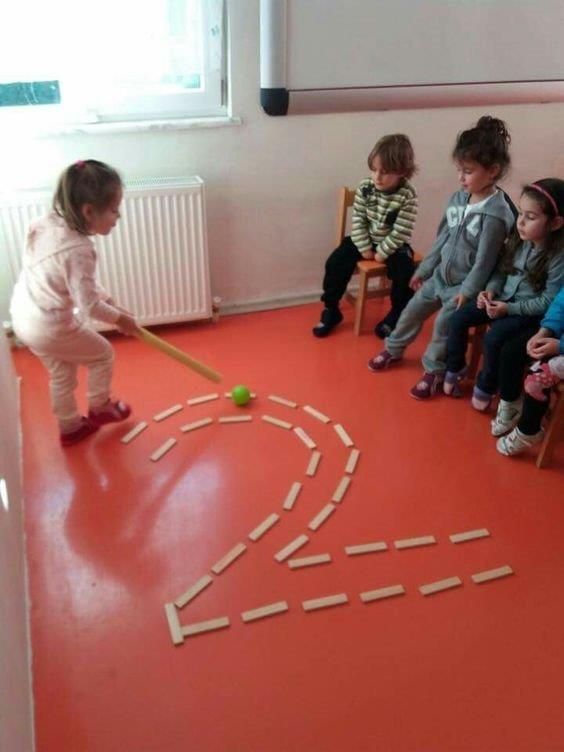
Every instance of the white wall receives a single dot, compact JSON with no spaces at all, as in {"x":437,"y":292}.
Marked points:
{"x":272,"y":182}
{"x":16,"y":725}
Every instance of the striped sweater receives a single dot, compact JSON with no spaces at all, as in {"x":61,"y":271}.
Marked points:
{"x":383,"y":222}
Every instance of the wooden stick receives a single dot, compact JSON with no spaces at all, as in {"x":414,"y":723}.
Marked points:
{"x":134,"y":432}
{"x":264,"y":611}
{"x":173,"y":352}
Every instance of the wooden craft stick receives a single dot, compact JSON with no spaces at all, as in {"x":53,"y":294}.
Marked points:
{"x":425,"y":540}
{"x":330,"y":600}
{"x":343,"y":435}
{"x":302,"y":435}
{"x":173,"y":624}
{"x":166,"y":413}
{"x":385,"y":592}
{"x":366,"y":548}
{"x":204,"y":398}
{"x":135,"y":431}
{"x":173,"y":352}
{"x":320,"y":518}
{"x":261,"y":613}
{"x":205,"y":626}
{"x":276,"y":422}
{"x":229,"y":558}
{"x":282,"y":401}
{"x":469,"y":535}
{"x":436,"y":587}
{"x":292,"y":496}
{"x":309,"y":561}
{"x":197,"y":424}
{"x":288,"y":550}
{"x":193,"y":591}
{"x":316,"y":414}
{"x":492,"y":574}
{"x":341,"y":489}
{"x":313,"y":463}
{"x":235,"y":419}
{"x":351,"y":462}
{"x":261,"y":529}
{"x":229,"y":396}
{"x":163,"y":449}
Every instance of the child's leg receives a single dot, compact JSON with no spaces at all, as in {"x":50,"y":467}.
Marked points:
{"x":422,"y":305}
{"x":499,"y":334}
{"x":513,"y":360}
{"x":400,"y":269}
{"x":62,"y":354}
{"x":434,"y":357}
{"x":533,"y":412}
{"x":457,"y":339}
{"x":339,"y":269}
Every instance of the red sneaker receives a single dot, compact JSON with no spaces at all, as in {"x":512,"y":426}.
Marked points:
{"x":85,"y":429}
{"x":111,"y":412}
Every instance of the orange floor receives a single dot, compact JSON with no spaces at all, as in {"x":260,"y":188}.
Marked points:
{"x":112,"y":536}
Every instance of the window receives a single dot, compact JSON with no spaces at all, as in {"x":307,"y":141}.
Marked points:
{"x":114,"y":60}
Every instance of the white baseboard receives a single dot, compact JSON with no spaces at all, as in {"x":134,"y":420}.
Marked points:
{"x":269,"y":304}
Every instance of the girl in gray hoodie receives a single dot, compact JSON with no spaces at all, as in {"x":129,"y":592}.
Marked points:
{"x":476,"y":222}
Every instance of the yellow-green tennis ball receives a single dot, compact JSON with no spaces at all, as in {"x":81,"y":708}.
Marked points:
{"x":240,"y":394}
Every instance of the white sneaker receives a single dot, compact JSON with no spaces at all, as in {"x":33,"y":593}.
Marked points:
{"x":516,"y":442}
{"x":508,"y":414}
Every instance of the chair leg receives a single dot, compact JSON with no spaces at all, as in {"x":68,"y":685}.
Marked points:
{"x":554,"y":429}
{"x":360,"y":301}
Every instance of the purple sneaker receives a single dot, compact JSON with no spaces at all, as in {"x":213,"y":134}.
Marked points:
{"x":381,"y":361}
{"x":430,"y":384}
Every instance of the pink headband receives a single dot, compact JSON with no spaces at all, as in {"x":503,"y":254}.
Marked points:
{"x":547,"y":195}
{"x":79,"y":165}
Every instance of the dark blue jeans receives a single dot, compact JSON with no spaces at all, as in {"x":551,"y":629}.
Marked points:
{"x":505,"y":356}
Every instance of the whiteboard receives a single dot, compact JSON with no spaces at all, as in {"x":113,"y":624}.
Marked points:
{"x":323,"y":55}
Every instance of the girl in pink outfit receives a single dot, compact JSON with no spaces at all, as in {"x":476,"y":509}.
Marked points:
{"x":57,"y":278}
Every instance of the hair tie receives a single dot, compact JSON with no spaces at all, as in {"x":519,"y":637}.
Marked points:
{"x":79,"y":164}
{"x":547,"y":195}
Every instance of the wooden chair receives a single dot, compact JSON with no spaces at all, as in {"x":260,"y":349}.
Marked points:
{"x":554,"y":430}
{"x":365,"y":269}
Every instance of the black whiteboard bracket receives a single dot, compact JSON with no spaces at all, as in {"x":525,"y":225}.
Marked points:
{"x":275,"y":101}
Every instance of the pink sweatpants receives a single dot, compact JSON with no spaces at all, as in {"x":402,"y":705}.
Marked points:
{"x":62,"y":351}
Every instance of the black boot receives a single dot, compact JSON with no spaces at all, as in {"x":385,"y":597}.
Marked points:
{"x":330,"y":317}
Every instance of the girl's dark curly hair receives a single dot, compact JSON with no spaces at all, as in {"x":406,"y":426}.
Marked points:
{"x":487,"y":143}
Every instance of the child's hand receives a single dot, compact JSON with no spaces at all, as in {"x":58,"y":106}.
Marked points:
{"x":460,"y":300}
{"x":496,"y":309}
{"x":368,"y":255}
{"x":380,"y":257}
{"x":127,"y":325}
{"x":415,"y":282}
{"x":543,"y":347}
{"x":483,"y":298}
{"x":541,"y":378}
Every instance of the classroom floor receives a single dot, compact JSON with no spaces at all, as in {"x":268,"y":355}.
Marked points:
{"x":112,"y":536}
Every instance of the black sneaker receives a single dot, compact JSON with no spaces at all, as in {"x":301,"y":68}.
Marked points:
{"x":330,"y":317}
{"x":383,"y":330}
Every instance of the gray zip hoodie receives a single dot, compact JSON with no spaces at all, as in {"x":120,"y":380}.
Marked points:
{"x":516,"y":289}
{"x":467,"y":247}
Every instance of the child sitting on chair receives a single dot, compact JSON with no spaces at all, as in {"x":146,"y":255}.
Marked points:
{"x":383,"y":216}
{"x":546,"y":343}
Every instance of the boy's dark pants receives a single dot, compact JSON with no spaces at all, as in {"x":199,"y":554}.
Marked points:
{"x":505,"y":354}
{"x":340,"y":267}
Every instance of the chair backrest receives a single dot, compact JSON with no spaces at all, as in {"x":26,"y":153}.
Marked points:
{"x":346,"y":200}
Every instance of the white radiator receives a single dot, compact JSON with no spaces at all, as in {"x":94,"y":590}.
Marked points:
{"x":154,"y":262}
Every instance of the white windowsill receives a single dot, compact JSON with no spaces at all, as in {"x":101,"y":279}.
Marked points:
{"x":137,"y":126}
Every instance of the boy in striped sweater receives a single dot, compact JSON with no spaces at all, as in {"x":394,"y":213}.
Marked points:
{"x":384,"y":212}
